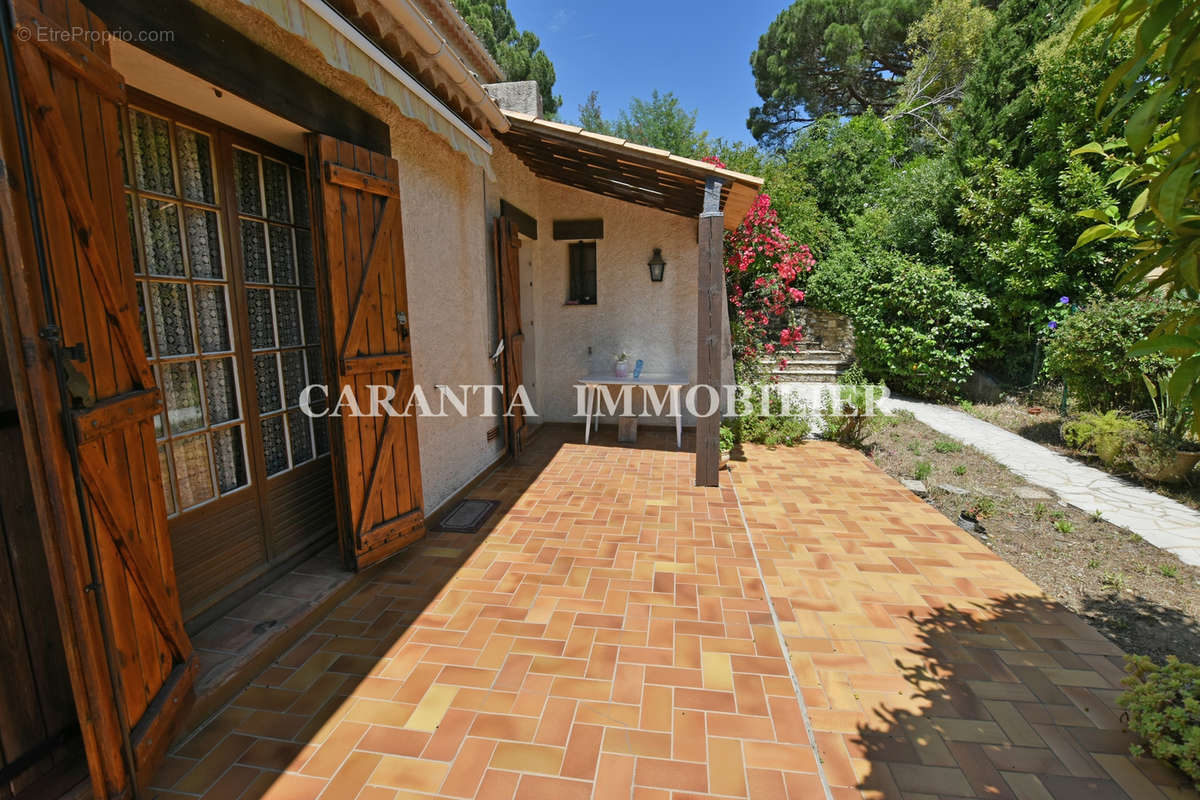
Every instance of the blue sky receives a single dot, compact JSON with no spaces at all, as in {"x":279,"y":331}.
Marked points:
{"x":626,"y":48}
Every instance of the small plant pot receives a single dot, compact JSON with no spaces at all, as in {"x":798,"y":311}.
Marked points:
{"x":1177,"y":471}
{"x":621,"y":369}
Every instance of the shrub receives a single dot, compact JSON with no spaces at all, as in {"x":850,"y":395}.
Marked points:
{"x":916,"y":327}
{"x":922,"y":470}
{"x":728,"y":438}
{"x":769,"y":426}
{"x":1089,"y":351}
{"x":1125,"y":444}
{"x":774,"y":430}
{"x":850,"y":424}
{"x":1164,"y":710}
{"x":1108,"y":435}
{"x":762,"y":267}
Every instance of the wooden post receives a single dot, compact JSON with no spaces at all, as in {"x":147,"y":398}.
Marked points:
{"x":710,"y":294}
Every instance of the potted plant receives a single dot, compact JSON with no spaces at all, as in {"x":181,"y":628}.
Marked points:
{"x":621,"y":368}
{"x":1173,"y":451}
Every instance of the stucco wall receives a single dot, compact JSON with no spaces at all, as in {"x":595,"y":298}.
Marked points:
{"x":655,"y":322}
{"x":447,"y":265}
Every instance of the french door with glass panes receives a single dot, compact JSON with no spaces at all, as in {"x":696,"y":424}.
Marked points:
{"x":224,"y":263}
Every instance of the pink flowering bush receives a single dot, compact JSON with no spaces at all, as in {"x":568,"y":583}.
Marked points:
{"x":764,"y":270}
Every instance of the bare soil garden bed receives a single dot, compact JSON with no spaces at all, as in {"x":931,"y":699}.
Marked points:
{"x":1145,"y":599}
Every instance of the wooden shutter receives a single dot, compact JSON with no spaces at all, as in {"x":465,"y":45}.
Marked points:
{"x":94,"y":464}
{"x":376,"y":465}
{"x":508,"y":291}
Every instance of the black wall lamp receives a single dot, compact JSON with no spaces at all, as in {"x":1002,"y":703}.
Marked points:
{"x":657,"y":265}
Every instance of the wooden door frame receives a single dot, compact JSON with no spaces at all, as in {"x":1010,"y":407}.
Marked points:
{"x":224,"y":139}
{"x":505,"y":231}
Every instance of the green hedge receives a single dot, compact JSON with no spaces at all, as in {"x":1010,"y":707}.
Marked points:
{"x":916,"y":327}
{"x":1088,"y":350}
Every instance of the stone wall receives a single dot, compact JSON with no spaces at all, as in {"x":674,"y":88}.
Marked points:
{"x":826,"y":330}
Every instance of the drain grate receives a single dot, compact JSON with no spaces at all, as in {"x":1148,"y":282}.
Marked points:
{"x":468,"y":516}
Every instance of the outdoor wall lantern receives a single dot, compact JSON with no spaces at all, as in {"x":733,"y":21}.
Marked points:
{"x":657,"y":265}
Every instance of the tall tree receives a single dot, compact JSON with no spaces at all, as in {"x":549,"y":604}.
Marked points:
{"x":998,"y":104}
{"x":946,"y":43}
{"x":821,"y":57}
{"x":661,"y":122}
{"x":519,"y":53}
{"x":590,"y":116}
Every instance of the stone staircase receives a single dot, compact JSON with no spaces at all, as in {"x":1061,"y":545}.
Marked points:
{"x":808,"y":363}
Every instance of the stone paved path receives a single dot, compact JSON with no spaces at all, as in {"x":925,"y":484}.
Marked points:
{"x":807,"y":631}
{"x":1163,"y":522}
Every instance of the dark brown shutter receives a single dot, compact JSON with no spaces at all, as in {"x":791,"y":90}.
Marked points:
{"x":508,"y":292}
{"x":376,"y":465}
{"x":109,"y":556}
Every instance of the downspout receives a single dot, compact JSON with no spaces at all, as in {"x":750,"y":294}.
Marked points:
{"x":52,"y":334}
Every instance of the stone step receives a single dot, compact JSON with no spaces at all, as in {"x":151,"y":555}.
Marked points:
{"x":800,"y":366}
{"x":823,"y":373}
{"x":806,"y":377}
{"x":806,"y":356}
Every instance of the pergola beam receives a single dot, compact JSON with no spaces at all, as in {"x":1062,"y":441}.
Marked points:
{"x":710,"y":296}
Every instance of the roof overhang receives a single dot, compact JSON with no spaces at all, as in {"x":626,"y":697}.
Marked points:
{"x":403,"y":31}
{"x":618,"y":168}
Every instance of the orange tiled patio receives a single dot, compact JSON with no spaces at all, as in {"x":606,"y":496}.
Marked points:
{"x":810,"y":629}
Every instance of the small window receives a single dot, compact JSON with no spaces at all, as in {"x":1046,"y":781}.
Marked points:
{"x":582,"y":289}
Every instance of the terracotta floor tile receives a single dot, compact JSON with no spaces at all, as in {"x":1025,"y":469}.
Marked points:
{"x":351,"y":776}
{"x":726,"y":769}
{"x":538,"y":787}
{"x":468,"y":769}
{"x":498,"y":784}
{"x":671,"y":774}
{"x":583,"y":751}
{"x":527,"y":758}
{"x":608,"y":634}
{"x":289,"y":786}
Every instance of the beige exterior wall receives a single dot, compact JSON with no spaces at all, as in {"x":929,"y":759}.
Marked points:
{"x":446,"y":235}
{"x":655,"y":322}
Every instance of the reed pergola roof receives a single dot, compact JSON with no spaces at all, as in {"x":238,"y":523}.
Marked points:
{"x":618,"y":168}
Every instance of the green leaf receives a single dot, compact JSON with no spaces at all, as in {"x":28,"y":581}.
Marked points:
{"x":1155,"y":21}
{"x":1194,"y":396}
{"x":1094,"y":234}
{"x":1171,"y":344}
{"x":1144,"y":120}
{"x":1098,"y":214}
{"x":1183,"y":379}
{"x":1120,"y":174}
{"x":1172,"y":193}
{"x":1189,"y":121}
{"x":1093,"y":15}
{"x":1090,"y":147}
{"x":1139,"y":203}
{"x":1189,"y":270}
{"x":1132,"y":65}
